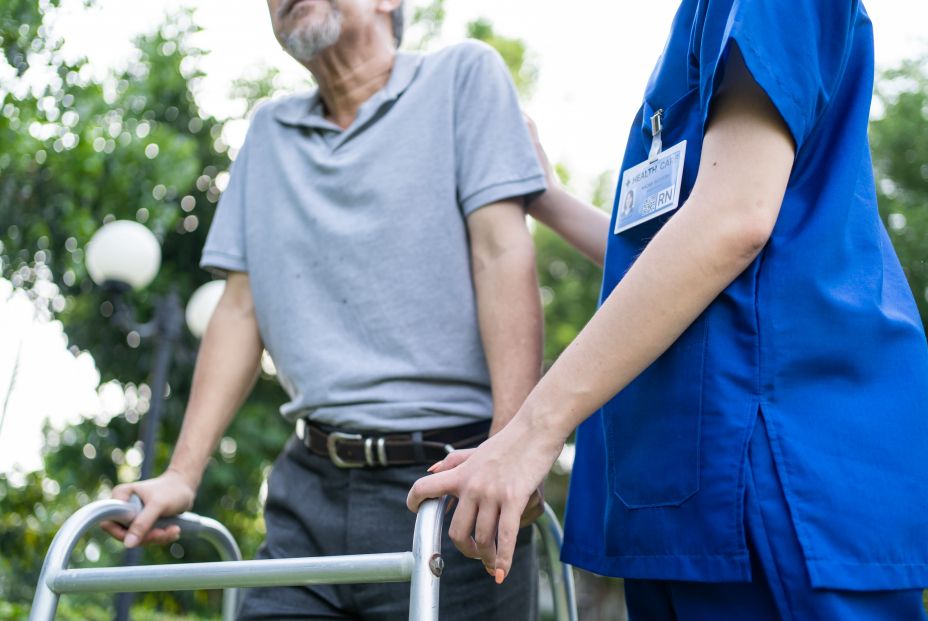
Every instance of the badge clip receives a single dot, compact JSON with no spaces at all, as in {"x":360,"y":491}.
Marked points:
{"x":657,"y":126}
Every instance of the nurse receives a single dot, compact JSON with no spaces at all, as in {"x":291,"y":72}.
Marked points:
{"x":754,"y":383}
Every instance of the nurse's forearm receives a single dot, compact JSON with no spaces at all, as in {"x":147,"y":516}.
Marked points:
{"x":582,"y":225}
{"x":747,"y":159}
{"x":686,"y":266}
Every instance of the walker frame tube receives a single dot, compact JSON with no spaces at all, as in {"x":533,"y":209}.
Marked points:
{"x":422,"y":566}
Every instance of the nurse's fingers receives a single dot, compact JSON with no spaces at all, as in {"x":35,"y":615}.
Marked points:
{"x":433,"y":486}
{"x":485,"y":534}
{"x":462,"y":526}
{"x":533,"y":510}
{"x":506,"y":540}
{"x":453,"y":460}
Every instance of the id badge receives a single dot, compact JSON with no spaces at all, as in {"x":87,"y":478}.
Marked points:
{"x":651,"y":188}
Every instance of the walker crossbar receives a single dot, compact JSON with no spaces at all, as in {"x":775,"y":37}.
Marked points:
{"x":422,"y":566}
{"x":273,"y":572}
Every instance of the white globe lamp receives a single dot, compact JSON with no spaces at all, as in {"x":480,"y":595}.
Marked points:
{"x":201,"y":306}
{"x":123,"y":253}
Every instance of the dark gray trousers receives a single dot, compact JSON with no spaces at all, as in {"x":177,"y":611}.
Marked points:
{"x":316,"y":509}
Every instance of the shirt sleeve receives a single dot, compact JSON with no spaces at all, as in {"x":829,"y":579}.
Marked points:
{"x":225,"y":249}
{"x":796,"y":51}
{"x":495,"y":157}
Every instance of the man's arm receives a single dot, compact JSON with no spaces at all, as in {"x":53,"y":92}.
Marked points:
{"x":508,"y":304}
{"x":226,"y":370}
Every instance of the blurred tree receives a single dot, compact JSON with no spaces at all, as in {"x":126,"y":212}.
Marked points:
{"x":899,"y":137}
{"x":429,"y":19}
{"x":78,"y":153}
{"x":20,"y":22}
{"x":514,"y":51}
{"x":569,"y":282}
{"x":569,"y":291}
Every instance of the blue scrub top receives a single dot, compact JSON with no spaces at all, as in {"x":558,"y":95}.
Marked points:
{"x":821,"y":334}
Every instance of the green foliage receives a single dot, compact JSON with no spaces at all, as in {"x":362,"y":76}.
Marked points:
{"x":84,"y":608}
{"x":76,"y":154}
{"x":900,"y":157}
{"x":514,"y":52}
{"x":431,"y":18}
{"x":569,"y":282}
{"x":20,"y":30}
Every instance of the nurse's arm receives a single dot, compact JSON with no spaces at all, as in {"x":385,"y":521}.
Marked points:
{"x":582,"y":225}
{"x":745,"y":166}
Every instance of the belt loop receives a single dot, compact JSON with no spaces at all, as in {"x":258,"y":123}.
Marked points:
{"x":417,"y":449}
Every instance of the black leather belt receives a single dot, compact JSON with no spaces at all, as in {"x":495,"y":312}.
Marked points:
{"x":369,"y":450}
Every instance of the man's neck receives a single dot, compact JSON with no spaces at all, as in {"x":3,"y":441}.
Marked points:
{"x":348,"y":78}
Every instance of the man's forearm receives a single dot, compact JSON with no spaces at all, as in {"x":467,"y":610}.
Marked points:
{"x":582,"y":225}
{"x":226,"y":370}
{"x":509,"y":312}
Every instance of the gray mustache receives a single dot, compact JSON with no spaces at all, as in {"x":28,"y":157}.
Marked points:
{"x":289,"y":4}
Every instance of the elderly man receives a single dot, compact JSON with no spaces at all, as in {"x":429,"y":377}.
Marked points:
{"x":374,"y":240}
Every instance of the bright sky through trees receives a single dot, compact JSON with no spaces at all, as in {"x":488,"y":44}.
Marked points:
{"x":594,"y":59}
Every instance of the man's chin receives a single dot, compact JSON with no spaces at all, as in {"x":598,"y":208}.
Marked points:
{"x":306,"y":47}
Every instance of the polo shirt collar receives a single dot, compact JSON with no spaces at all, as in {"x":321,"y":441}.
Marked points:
{"x":307,"y":109}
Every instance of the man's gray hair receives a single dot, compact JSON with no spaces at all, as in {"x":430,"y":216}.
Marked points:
{"x":398,"y":24}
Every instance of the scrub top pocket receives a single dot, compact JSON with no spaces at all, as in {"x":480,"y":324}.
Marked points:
{"x":652,"y":428}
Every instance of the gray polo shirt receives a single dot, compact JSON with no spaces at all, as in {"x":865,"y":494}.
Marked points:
{"x":355,"y":241}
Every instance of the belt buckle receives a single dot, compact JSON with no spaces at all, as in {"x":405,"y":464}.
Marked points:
{"x":331,"y":444}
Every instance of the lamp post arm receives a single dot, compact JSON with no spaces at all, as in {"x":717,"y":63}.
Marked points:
{"x":124,"y":316}
{"x":166,"y":328}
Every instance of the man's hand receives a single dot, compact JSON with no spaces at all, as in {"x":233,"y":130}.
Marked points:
{"x":164,"y":496}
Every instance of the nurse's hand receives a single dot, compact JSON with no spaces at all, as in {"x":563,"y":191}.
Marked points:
{"x":551,"y":177}
{"x":493,"y":484}
{"x":582,"y":225}
{"x":536,"y":504}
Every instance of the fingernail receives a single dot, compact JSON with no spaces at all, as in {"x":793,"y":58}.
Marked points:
{"x":500,"y":576}
{"x":131,"y":541}
{"x":433,"y":468}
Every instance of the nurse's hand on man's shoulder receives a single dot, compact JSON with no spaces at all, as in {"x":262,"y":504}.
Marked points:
{"x":536,"y":504}
{"x":550,"y":174}
{"x":163,"y":496}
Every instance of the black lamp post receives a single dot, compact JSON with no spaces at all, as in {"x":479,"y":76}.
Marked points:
{"x":122,"y":256}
